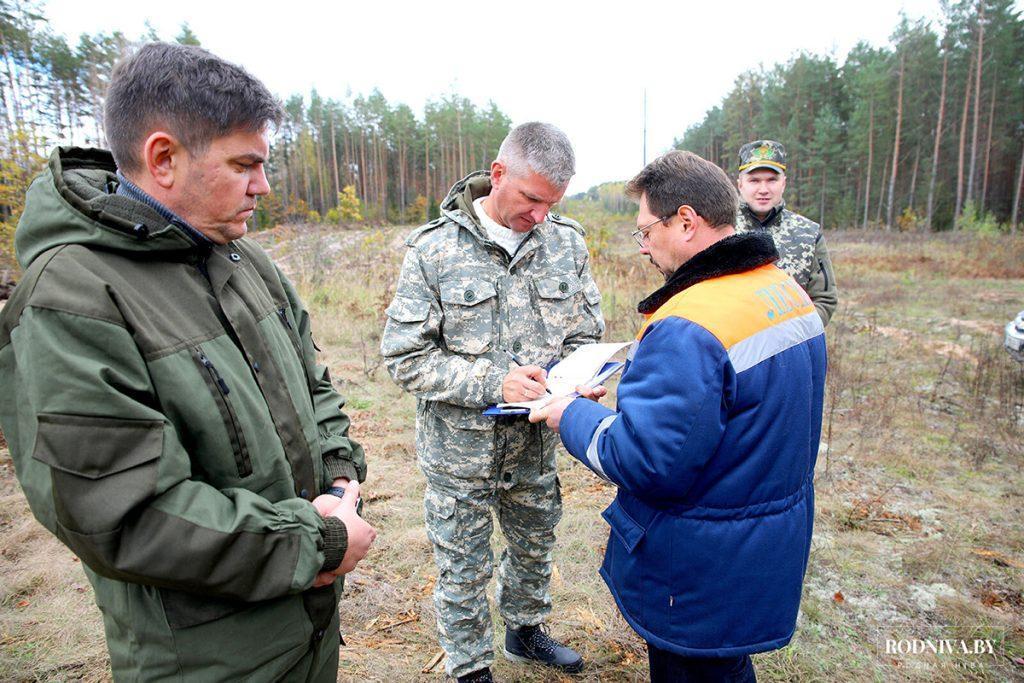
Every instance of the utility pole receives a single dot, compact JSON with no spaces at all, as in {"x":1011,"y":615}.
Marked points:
{"x":645,"y":126}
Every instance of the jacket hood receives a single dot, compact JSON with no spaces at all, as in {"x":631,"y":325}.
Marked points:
{"x":73,"y":202}
{"x":460,"y":201}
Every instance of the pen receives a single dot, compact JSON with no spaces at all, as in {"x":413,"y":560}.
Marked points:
{"x":520,"y":362}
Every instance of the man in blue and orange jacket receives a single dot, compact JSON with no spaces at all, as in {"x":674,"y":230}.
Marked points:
{"x":714,"y":441}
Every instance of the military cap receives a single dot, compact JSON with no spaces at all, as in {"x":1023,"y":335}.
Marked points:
{"x":762,"y":154}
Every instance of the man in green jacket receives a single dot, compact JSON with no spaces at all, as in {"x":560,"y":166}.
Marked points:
{"x":802,"y":250}
{"x":166,"y":416}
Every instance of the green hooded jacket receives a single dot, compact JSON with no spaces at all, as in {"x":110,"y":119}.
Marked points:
{"x":168,"y":422}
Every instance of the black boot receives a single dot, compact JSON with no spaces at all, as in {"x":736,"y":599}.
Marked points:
{"x":533,"y":644}
{"x":478,"y":676}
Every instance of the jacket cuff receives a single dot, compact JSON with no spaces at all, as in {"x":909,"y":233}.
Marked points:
{"x":335,"y":466}
{"x":335,"y":538}
{"x":579,"y":422}
{"x":493,"y":383}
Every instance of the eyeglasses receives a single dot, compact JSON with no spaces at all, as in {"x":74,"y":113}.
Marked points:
{"x":640,"y":234}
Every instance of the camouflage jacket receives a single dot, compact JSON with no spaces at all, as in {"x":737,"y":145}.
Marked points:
{"x":463,"y":306}
{"x":802,"y":253}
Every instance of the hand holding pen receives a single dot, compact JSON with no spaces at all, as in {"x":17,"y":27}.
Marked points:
{"x":524,"y":382}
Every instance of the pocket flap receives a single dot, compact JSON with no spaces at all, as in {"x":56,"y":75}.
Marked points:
{"x":466,"y":292}
{"x":458,"y":417}
{"x":438,"y":504}
{"x":627,"y":529}
{"x":405,"y":310}
{"x":558,"y":286}
{"x":96,"y":447}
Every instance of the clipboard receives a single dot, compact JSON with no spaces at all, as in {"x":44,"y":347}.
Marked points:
{"x":609,"y":369}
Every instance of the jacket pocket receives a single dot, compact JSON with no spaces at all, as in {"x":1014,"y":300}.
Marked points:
{"x":220,"y":390}
{"x":293,"y":337}
{"x":101,"y":468}
{"x":189,"y":609}
{"x":558,"y":300}
{"x":468,"y":307}
{"x":626,"y":529}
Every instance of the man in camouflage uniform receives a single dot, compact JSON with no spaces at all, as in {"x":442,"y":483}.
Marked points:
{"x":802,"y":250}
{"x":490,"y":294}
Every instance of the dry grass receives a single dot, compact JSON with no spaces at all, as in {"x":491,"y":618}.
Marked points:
{"x":919,"y":529}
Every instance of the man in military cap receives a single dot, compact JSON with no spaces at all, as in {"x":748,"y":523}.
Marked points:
{"x":802,"y":250}
{"x":490,"y":294}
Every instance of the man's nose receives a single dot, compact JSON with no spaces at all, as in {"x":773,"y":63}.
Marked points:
{"x":538,"y":214}
{"x":259,"y":185}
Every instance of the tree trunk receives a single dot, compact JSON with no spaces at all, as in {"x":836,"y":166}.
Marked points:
{"x":334,"y":163}
{"x":960,"y":155}
{"x":977,"y":102}
{"x":1016,"y":192}
{"x":988,"y":144}
{"x":895,"y":148}
{"x":871,"y":158}
{"x":881,"y":196}
{"x":938,"y":145}
{"x":913,"y":177}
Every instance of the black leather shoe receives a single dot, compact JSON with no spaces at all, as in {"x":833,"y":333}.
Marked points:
{"x":478,"y":676}
{"x":533,"y":644}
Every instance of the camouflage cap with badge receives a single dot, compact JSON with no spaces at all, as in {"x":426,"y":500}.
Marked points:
{"x":762,"y":154}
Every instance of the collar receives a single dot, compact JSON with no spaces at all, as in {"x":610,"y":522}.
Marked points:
{"x":734,"y":254}
{"x":769,"y":221}
{"x":127,"y":188}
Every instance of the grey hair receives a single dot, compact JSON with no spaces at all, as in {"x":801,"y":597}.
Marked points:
{"x":196,"y":95}
{"x":541,"y":148}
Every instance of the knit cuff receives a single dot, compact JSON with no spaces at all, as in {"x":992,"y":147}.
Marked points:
{"x":335,"y":537}
{"x":336,"y":466}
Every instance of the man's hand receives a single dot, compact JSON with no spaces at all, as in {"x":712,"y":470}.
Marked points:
{"x":360,"y":534}
{"x":593,"y":393}
{"x":551,"y":413}
{"x":525,"y":383}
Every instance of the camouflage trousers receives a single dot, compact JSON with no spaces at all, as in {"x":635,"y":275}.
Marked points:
{"x":511,"y":472}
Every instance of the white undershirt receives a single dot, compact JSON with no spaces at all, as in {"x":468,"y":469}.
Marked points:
{"x":506,"y":238}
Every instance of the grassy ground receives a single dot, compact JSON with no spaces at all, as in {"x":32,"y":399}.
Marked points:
{"x":919,"y":531}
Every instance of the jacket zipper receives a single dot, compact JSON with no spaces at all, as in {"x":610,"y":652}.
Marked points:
{"x":821,"y":264}
{"x":292,"y":336}
{"x":220,"y":390}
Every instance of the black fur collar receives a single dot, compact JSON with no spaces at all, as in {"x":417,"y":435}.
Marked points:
{"x":734,"y":254}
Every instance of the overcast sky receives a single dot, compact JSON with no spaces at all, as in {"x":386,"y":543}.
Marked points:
{"x":580,"y":65}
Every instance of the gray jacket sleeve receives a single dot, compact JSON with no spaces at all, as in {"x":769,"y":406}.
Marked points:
{"x":822,"y":285}
{"x":413,"y":351}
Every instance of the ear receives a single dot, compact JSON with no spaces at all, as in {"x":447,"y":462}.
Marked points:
{"x":688,"y":220}
{"x":162,"y":154}
{"x":498,"y":171}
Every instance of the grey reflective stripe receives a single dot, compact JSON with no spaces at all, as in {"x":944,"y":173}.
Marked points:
{"x":774,"y":340}
{"x":632,"y":350}
{"x":593,"y":459}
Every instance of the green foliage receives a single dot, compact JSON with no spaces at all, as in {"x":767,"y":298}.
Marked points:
{"x":349,"y":205}
{"x":313,"y":216}
{"x":187,"y":36}
{"x":980,"y":222}
{"x":838,"y":121}
{"x":332,"y":216}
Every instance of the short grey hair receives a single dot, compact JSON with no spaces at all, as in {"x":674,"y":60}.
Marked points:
{"x":541,"y":148}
